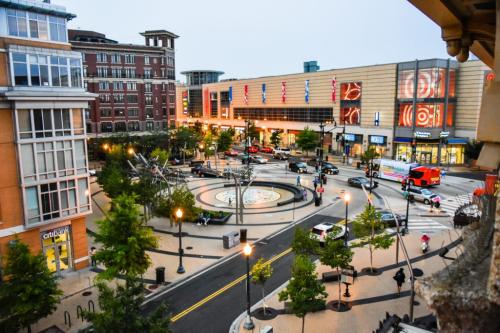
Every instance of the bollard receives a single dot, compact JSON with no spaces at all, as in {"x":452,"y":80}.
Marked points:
{"x":67,"y":319}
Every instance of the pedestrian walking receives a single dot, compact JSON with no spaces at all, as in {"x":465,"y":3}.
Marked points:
{"x":315,"y":183}
{"x":230,"y":202}
{"x":93,"y":261}
{"x":443,"y":173}
{"x":298,"y":180}
{"x":400,"y":278}
{"x":304,"y":194}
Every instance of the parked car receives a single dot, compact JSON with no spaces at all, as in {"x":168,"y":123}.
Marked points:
{"x":194,"y":163}
{"x":313,"y":161}
{"x":389,"y":220}
{"x":280,"y":156}
{"x":209,"y":173}
{"x":175,"y":161}
{"x":231,"y":152}
{"x":358,"y":181}
{"x":320,"y":231}
{"x":329,"y":168}
{"x":423,"y":195}
{"x":255,"y":159}
{"x":196,"y":169}
{"x":267,"y":150}
{"x":299,"y":167}
{"x":253,"y":150}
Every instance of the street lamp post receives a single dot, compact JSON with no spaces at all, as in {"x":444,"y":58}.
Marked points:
{"x":178,"y":214}
{"x":248,"y":325}
{"x":347,"y":198}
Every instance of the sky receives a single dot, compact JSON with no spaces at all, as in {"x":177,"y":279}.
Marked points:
{"x":255,"y":38}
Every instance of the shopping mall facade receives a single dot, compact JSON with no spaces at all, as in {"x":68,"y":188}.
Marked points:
{"x":432,"y":104}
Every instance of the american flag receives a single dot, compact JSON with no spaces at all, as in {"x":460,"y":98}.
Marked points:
{"x":334,"y":90}
{"x":283,"y":91}
{"x":245,"y":94}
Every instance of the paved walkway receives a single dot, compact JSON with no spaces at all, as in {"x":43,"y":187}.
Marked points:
{"x":371,"y":296}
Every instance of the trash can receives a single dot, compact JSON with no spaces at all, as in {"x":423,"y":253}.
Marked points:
{"x":230,"y":239}
{"x":317,"y":201}
{"x":160,"y":275}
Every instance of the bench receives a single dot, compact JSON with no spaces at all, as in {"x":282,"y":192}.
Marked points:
{"x":330,"y":276}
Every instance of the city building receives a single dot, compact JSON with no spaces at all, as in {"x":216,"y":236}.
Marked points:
{"x":44,"y":179}
{"x":369,"y":106}
{"x":190,"y":95}
{"x":135,"y":83}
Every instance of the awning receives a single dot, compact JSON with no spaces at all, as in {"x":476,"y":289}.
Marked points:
{"x":457,"y":141}
{"x":400,"y":139}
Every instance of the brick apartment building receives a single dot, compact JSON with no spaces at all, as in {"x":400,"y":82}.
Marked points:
{"x":44,"y":179}
{"x":135,"y":83}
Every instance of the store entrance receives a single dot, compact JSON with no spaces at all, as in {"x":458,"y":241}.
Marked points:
{"x":57,"y":249}
{"x":425,"y":157}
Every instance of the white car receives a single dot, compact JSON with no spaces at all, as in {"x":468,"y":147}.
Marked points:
{"x":320,"y":231}
{"x":282,"y":150}
{"x":260,"y":160}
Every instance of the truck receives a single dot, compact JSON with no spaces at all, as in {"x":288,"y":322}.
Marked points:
{"x":414,"y":173}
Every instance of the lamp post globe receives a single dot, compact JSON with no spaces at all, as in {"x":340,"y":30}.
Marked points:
{"x":178,"y":214}
{"x":248,"y":324}
{"x":347,"y":198}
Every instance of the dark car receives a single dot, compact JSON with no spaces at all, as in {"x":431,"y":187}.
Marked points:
{"x":389,"y":220}
{"x":313,"y":161}
{"x":280,"y":156}
{"x":196,"y":169}
{"x":176,"y":161}
{"x":194,"y":163}
{"x":299,"y":167}
{"x":209,"y":173}
{"x":358,"y":181}
{"x":329,"y":168}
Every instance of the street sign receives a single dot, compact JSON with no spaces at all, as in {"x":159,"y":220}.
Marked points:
{"x":444,"y":134}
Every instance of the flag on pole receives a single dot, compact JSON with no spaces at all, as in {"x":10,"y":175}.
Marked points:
{"x":230,"y":95}
{"x":263,"y":93}
{"x":245,"y":94}
{"x":307,"y":91}
{"x":334,"y":90}
{"x":283,"y":92}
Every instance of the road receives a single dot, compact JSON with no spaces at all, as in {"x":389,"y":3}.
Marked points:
{"x":212,"y":300}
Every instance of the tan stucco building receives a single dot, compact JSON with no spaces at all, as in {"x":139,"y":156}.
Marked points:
{"x":370,"y":105}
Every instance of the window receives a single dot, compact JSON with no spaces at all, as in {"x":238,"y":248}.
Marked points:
{"x":76,"y":72}
{"x":116,"y":72}
{"x":147,"y":87}
{"x":428,"y":115}
{"x":32,"y":208}
{"x":289,"y":114}
{"x":83,"y":194}
{"x":103,"y":85}
{"x":48,"y":123}
{"x":106,"y":112}
{"x":64,"y":158}
{"x":115,"y":58}
{"x":43,"y":123}
{"x":20,"y":69}
{"x":102,"y":72}
{"x":17,"y":23}
{"x":350,"y":103}
{"x":171,"y":111}
{"x":28,"y":162}
{"x":350,"y":115}
{"x":133,"y":126}
{"x":24,"y":124}
{"x":171,"y":100}
{"x":149,"y":99}
{"x":130,"y":73}
{"x":131,"y":98}
{"x":59,"y":71}
{"x":68,"y":197}
{"x":104,"y":98}
{"x":118,"y":98}
{"x":38,"y":26}
{"x":120,"y":126}
{"x":131,"y":86}
{"x":150,"y":126}
{"x":129,"y":58}
{"x":147,"y":73}
{"x":149,"y":113}
{"x":107,"y":127}
{"x":163,"y":71}
{"x":117,"y":85}
{"x":133,"y":112}
{"x":170,"y":74}
{"x":58,"y":29}
{"x":78,"y":121}
{"x":49,"y":201}
{"x":146,"y":60}
{"x":46,"y":160}
{"x":119,"y":112}
{"x":102,"y":57}
{"x":62,"y":123}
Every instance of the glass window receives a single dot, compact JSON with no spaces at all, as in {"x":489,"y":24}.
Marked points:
{"x":49,"y":201}
{"x":24,"y":123}
{"x":32,"y":207}
{"x":76,"y":72}
{"x":46,"y":160}
{"x":80,"y":161}
{"x":28,"y":162}
{"x":350,"y":91}
{"x":17,"y":23}
{"x":57,"y":29}
{"x":78,"y":127}
{"x":350,"y":116}
{"x":429,"y":115}
{"x":20,"y":69}
{"x":83,"y":194}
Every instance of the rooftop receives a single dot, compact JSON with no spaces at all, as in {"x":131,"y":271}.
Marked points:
{"x":38,"y":7}
{"x":158,"y":32}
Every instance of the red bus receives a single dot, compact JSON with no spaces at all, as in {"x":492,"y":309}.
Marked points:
{"x":424,"y":176}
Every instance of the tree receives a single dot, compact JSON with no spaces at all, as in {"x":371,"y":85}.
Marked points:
{"x":336,"y":255}
{"x":182,"y":198}
{"x":121,"y":311}
{"x":370,"y":230}
{"x":198,"y":128}
{"x":114,"y":179}
{"x":276,"y":137}
{"x":208,"y":140}
{"x":125,"y":240}
{"x":261,"y":272}
{"x":161,"y":154}
{"x":30,"y":291}
{"x":186,"y":138}
{"x":303,"y":243}
{"x":253,"y":134}
{"x":224,"y":141}
{"x":369,"y":155}
{"x":304,"y":291}
{"x":307,"y":140}
{"x":147,"y":192}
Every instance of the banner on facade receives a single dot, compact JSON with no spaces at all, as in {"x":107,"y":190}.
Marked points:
{"x":245,"y":94}
{"x":230,"y":95}
{"x":306,"y":96}
{"x":334,"y":90}
{"x":283,"y":92}
{"x":263,"y":93}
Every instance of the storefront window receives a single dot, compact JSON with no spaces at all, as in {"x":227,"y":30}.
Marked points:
{"x":57,"y":249}
{"x":427,"y":153}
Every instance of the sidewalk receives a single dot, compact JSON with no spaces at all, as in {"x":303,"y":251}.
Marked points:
{"x":371,"y":296}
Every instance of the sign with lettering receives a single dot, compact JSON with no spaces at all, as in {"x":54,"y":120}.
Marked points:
{"x":376,"y":139}
{"x":422,"y":134}
{"x":55,"y":232}
{"x":350,"y":137}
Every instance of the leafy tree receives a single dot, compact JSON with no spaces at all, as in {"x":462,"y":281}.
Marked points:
{"x":276,"y":137}
{"x":186,"y":138}
{"x":369,"y":155}
{"x":198,"y":128}
{"x":261,"y":272}
{"x":161,"y":154}
{"x":182,"y":198}
{"x":303,"y":243}
{"x":121,"y":311}
{"x":307,"y":140}
{"x":253,"y":134}
{"x":304,"y":291}
{"x":114,"y":179}
{"x":231,"y":131}
{"x":30,"y":291}
{"x":336,"y":255}
{"x":370,"y":230}
{"x":224,"y":141}
{"x":208,"y":143}
{"x":125,"y":240}
{"x":147,"y":192}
